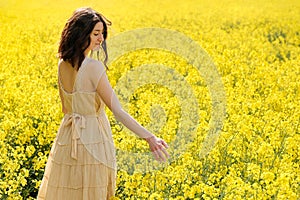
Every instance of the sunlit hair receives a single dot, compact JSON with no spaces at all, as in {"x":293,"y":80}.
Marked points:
{"x":75,"y":37}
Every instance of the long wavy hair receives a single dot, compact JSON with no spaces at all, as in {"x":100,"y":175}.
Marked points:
{"x":75,"y":37}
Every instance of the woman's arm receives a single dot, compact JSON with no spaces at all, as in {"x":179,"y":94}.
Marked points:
{"x":109,"y":97}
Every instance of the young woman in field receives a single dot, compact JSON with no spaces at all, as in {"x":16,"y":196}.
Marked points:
{"x":82,"y":161}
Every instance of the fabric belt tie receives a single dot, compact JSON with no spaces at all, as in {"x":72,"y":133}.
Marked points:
{"x":77,"y":122}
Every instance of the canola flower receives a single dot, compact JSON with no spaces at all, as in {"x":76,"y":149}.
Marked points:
{"x":256,"y":48}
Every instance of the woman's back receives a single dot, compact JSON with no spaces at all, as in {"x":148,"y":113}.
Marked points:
{"x":78,"y":87}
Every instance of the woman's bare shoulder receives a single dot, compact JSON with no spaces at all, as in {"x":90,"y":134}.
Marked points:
{"x":62,"y":63}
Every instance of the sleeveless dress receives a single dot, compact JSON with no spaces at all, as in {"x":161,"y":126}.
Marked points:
{"x":82,"y":162}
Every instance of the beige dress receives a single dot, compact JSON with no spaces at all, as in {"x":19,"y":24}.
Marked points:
{"x":82,"y":162}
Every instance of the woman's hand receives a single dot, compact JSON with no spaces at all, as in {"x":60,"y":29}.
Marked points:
{"x":158,"y":148}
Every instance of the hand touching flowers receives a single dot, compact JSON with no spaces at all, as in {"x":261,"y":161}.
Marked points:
{"x":158,"y":148}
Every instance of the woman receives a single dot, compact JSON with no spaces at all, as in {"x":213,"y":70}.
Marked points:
{"x":82,"y":162}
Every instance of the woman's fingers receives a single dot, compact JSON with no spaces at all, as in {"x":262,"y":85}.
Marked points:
{"x":165,"y":144}
{"x":159,"y":156}
{"x":158,"y":148}
{"x":166,"y":153}
{"x":156,"y":155}
{"x":161,"y":153}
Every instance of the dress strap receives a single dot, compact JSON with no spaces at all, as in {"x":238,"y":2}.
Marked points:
{"x":59,"y":76}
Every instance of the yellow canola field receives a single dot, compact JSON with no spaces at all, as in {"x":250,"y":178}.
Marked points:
{"x":255,"y":46}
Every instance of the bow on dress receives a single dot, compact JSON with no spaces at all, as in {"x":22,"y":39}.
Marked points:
{"x":77,"y":122}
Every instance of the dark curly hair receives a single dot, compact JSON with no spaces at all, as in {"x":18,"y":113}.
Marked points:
{"x":75,"y":37}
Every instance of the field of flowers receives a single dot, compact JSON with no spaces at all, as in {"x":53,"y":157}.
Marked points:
{"x":255,"y":46}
